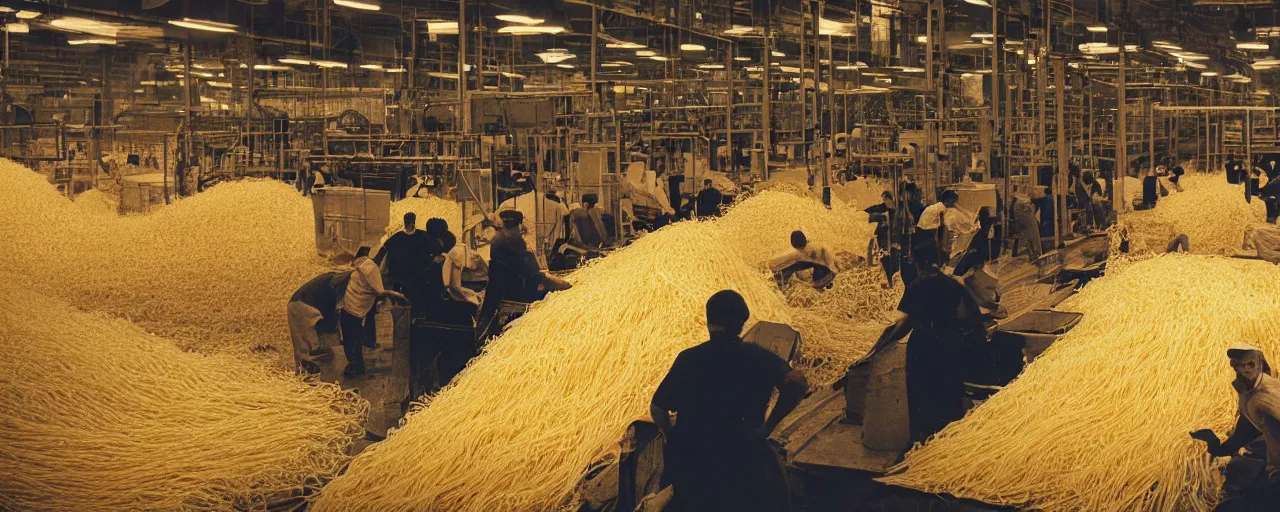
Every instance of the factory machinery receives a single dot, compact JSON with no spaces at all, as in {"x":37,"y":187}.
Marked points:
{"x":157,"y":101}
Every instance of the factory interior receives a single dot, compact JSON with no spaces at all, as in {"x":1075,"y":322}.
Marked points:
{"x":640,"y":255}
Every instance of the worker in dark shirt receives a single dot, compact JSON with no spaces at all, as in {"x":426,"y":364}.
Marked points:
{"x":1258,"y":416}
{"x":717,"y":452}
{"x":588,"y":224}
{"x":406,"y":256}
{"x":514,"y":274}
{"x":1235,"y":171}
{"x":313,"y":309}
{"x":709,"y":200}
{"x":943,"y":320}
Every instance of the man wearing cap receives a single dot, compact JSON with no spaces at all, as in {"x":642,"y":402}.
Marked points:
{"x":1259,"y":416}
{"x":514,"y":274}
{"x":717,"y":453}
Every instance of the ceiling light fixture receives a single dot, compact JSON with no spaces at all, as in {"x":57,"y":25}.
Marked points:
{"x":86,"y":26}
{"x":77,"y":42}
{"x":555,"y":55}
{"x":371,"y":66}
{"x":1194,"y":65}
{"x":516,"y":18}
{"x":329,"y":64}
{"x":364,"y":5}
{"x":710,"y":66}
{"x":1096,"y":28}
{"x":1245,"y":45}
{"x":295,"y":61}
{"x":1209,"y":73}
{"x":624,"y":45}
{"x":524,"y":30}
{"x":442,"y":27}
{"x":659,"y":58}
{"x":922,"y":39}
{"x":17,"y":28}
{"x":208,"y":26}
{"x":565,"y":66}
{"x":202,"y":74}
{"x":777,"y":53}
{"x":646,"y":53}
{"x":981,"y":3}
{"x":270,"y":67}
{"x":982,"y":35}
{"x":27,"y":15}
{"x":396,"y":70}
{"x":742,"y":59}
{"x":689,"y":47}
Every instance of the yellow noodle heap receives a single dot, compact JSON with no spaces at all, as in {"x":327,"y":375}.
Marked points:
{"x":212,"y":272}
{"x":425,"y":208}
{"x":760,"y":227}
{"x":1211,"y":212}
{"x":839,"y":325}
{"x":523,"y":421}
{"x":98,"y":415}
{"x":1100,"y":422}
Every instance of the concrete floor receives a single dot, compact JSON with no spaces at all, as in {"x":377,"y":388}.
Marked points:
{"x":385,"y":384}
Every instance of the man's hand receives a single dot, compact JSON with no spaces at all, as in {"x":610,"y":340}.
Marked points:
{"x":1214,"y":445}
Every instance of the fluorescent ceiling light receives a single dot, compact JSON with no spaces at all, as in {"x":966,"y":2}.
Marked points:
{"x":982,"y":3}
{"x":364,"y":5}
{"x":739,"y":30}
{"x":1245,"y":45}
{"x":202,"y":74}
{"x":516,"y":18}
{"x":17,"y":28}
{"x":86,"y":26}
{"x":1190,"y":56}
{"x":909,"y":69}
{"x":329,"y":64}
{"x":1096,"y":28}
{"x":371,"y":66}
{"x":742,"y":59}
{"x":922,"y":39}
{"x":659,"y":58}
{"x":620,"y":63}
{"x":555,"y":55}
{"x":295,"y":61}
{"x":646,"y":53}
{"x":396,"y":70}
{"x":689,"y":47}
{"x":5,"y":9}
{"x":982,"y":35}
{"x":208,"y":26}
{"x":777,"y":53}
{"x":624,"y":45}
{"x":27,"y":15}
{"x":521,"y":30}
{"x":565,"y":66}
{"x":1267,"y":62}
{"x":1209,"y":73}
{"x":220,"y":85}
{"x":270,"y":67}
{"x":611,"y":65}
{"x":710,"y":66}
{"x":442,"y":27}
{"x":97,"y":40}
{"x":1167,"y":46}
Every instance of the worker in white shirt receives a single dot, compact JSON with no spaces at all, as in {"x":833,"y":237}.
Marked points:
{"x":805,"y":256}
{"x":944,"y":213}
{"x":363,"y":290}
{"x":1265,"y":237}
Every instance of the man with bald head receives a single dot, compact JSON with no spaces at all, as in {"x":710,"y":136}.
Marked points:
{"x":1259,"y":416}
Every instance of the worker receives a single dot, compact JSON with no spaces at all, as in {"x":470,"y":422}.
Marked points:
{"x":1235,"y":170}
{"x":1258,"y":416}
{"x":1270,"y":195}
{"x":1265,"y":237}
{"x":1150,"y":188}
{"x":944,"y":213}
{"x":709,"y":200}
{"x":364,"y":288}
{"x":805,"y":256}
{"x":1175,"y":174}
{"x":717,"y":455}
{"x":514,"y":274}
{"x":943,"y":319}
{"x":554,"y":213}
{"x":588,"y":225}
{"x":1025,"y":227}
{"x":313,"y":309}
{"x":452,"y":304}
{"x":405,"y":256}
